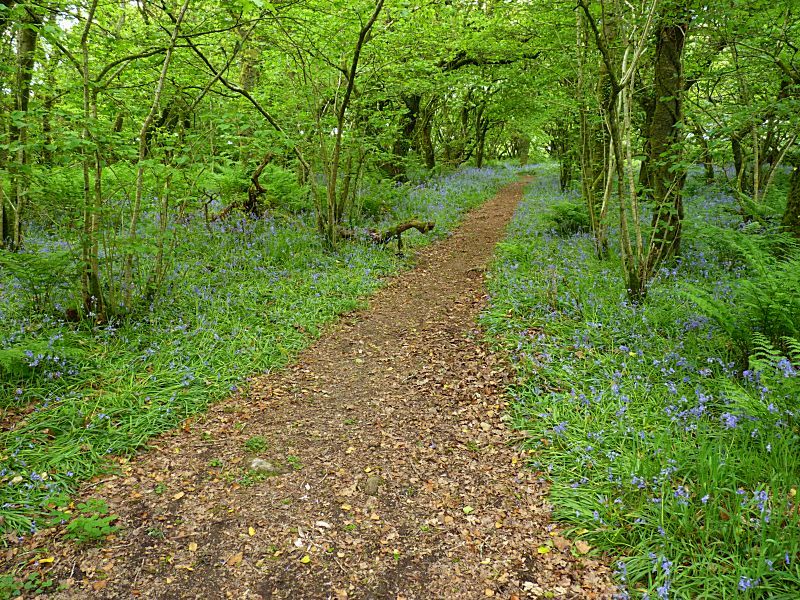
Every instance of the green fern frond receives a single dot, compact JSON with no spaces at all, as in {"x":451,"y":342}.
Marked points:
{"x":792,"y":345}
{"x":763,"y":353}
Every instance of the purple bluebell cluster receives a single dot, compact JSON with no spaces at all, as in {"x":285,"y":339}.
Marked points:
{"x":656,"y":439}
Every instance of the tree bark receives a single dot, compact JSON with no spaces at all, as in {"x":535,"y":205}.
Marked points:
{"x":395,"y":167}
{"x":255,"y":191}
{"x":481,"y":129}
{"x":424,"y":135}
{"x":91,"y":288}
{"x":665,"y":132}
{"x":395,"y":232}
{"x":521,"y":147}
{"x":334,"y":207}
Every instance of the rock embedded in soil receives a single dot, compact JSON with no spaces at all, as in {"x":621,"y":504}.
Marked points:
{"x":371,"y":485}
{"x":259,"y":465}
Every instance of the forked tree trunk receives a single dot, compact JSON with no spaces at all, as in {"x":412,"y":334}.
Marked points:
{"x":143,"y":133}
{"x":593,"y":146}
{"x":424,"y":135}
{"x":333,"y":194}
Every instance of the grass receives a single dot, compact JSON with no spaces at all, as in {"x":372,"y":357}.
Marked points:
{"x":661,"y":450}
{"x":242,"y":298}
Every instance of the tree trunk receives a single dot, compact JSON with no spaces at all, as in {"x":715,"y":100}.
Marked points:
{"x":791,"y":217}
{"x":91,"y":288}
{"x":27,"y":37}
{"x":481,"y":128}
{"x":395,"y":167}
{"x":334,"y":208}
{"x":521,"y":147}
{"x":707,"y":158}
{"x":424,"y":135}
{"x":739,"y":162}
{"x":255,"y":191}
{"x":665,"y":133}
{"x":593,"y":141}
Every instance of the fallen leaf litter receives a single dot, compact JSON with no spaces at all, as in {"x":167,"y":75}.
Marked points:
{"x":388,"y":470}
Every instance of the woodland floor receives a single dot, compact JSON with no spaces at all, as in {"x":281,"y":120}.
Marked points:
{"x":395,"y":474}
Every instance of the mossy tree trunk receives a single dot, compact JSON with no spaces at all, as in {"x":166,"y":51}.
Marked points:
{"x":664,"y":136}
{"x":12,"y":218}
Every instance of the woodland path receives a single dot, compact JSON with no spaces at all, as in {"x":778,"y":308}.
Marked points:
{"x":402,"y":479}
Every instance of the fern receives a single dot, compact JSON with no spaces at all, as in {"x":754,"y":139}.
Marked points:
{"x":760,"y":212}
{"x":40,"y":273}
{"x":767,"y":305}
{"x":793,"y":348}
{"x":764,"y":353}
{"x":567,"y":218}
{"x":771,"y":367}
{"x":749,"y":246}
{"x":772,"y":301}
{"x":726,"y":317}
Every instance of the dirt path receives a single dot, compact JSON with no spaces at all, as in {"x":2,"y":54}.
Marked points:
{"x":396,"y":477}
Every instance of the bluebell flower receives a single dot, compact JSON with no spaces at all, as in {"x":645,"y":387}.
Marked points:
{"x":746,"y":583}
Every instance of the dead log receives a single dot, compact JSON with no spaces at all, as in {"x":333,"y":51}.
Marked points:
{"x":396,"y":232}
{"x":255,"y":191}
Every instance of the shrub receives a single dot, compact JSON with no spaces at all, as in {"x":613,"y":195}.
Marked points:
{"x":763,"y":300}
{"x":283,"y":190}
{"x":567,"y":218}
{"x":659,"y":450}
{"x":40,"y":274}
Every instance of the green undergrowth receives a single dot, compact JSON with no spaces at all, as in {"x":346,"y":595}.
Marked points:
{"x":244,"y":297}
{"x":664,"y":451}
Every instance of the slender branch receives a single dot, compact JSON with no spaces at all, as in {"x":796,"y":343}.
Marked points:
{"x":245,"y":94}
{"x":601,"y":45}
{"x":127,"y":59}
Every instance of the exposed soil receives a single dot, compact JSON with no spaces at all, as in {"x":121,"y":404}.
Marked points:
{"x":391,"y":472}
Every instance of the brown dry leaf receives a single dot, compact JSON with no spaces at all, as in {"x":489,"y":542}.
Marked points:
{"x":192,"y":546}
{"x":582,"y":547}
{"x":561,"y":543}
{"x":234,"y":559}
{"x":179,"y":495}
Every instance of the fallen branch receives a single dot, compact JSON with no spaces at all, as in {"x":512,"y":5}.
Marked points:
{"x":384,"y":237}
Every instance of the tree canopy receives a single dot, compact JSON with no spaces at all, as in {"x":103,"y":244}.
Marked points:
{"x":117,"y":112}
